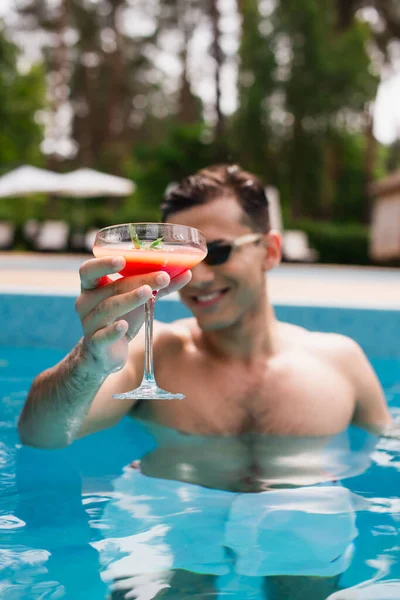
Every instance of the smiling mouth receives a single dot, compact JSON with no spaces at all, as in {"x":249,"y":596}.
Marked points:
{"x":210,"y":298}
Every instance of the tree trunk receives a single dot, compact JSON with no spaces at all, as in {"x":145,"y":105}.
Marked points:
{"x":188,"y":109}
{"x":218,"y":57}
{"x":296,"y":187}
{"x":370,"y":160}
{"x":346,"y":10}
{"x":329,"y":178}
{"x":60,"y":67}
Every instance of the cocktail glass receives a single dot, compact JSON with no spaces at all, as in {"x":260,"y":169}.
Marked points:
{"x":150,"y":247}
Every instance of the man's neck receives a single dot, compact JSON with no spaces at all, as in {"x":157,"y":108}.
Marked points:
{"x":254,"y":336}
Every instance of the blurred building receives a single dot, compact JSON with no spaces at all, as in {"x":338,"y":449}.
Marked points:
{"x":385,"y":224}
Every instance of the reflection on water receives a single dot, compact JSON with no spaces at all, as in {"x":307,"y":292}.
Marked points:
{"x":389,"y":590}
{"x":253,"y":506}
{"x":255,"y":462}
{"x":229,"y":510}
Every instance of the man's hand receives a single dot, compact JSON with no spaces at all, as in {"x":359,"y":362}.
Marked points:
{"x":111,"y":309}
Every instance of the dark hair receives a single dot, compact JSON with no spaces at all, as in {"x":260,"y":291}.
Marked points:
{"x":216,"y":181}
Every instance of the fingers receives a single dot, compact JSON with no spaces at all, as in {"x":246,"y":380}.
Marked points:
{"x":176,"y":284}
{"x":93,"y":271}
{"x":103,"y":340}
{"x":108,"y":335}
{"x":113,"y":307}
{"x":90,"y":299}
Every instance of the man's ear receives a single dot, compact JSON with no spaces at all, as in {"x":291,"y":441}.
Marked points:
{"x":273,"y":249}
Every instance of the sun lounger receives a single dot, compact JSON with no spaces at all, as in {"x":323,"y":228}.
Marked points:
{"x":52,"y":235}
{"x":295,"y":247}
{"x":31,"y":229}
{"x":7,"y":232}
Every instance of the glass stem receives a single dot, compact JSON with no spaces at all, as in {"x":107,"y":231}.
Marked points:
{"x":148,"y":348}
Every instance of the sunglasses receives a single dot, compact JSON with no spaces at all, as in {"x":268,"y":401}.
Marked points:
{"x":220,"y":251}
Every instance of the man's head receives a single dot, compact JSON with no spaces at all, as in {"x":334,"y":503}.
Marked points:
{"x":219,"y":181}
{"x":230,"y":207}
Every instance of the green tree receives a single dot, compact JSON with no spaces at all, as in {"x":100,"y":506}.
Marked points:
{"x":182,"y":151}
{"x":109,"y":75}
{"x":329,"y":88}
{"x":305,"y":85}
{"x":393,"y":158}
{"x":252,"y":134}
{"x":21,"y":96}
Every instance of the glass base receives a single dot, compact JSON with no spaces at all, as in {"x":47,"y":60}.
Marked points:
{"x":148,"y":392}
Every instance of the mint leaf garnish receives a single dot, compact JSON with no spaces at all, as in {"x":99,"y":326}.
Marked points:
{"x":157,"y":243}
{"x":137,"y":243}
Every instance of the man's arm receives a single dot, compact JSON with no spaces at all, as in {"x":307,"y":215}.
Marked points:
{"x":371,"y":411}
{"x":73,"y":398}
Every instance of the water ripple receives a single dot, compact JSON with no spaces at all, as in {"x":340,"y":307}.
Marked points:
{"x":11,"y":522}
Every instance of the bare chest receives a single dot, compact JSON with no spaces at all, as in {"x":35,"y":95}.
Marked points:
{"x":294,"y":397}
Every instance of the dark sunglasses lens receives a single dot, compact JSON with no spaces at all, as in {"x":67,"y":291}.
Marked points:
{"x":218,"y":255}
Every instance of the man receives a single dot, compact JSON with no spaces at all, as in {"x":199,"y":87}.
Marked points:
{"x":264,"y":400}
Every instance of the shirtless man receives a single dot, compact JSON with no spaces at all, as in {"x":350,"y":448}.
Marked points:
{"x":259,"y":393}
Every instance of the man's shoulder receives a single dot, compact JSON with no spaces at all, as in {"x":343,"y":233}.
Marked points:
{"x":334,"y":345}
{"x":341,"y":352}
{"x":334,"y":342}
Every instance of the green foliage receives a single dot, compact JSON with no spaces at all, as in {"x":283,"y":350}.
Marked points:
{"x":348,"y":174}
{"x":345,"y":244}
{"x":21,"y":96}
{"x":311,"y":83}
{"x":251,"y":130}
{"x":305,"y":85}
{"x":329,"y":87}
{"x":330,"y":67}
{"x":182,"y":152}
{"x":393,"y":157}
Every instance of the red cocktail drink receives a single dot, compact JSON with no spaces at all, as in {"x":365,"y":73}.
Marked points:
{"x":172,"y":259}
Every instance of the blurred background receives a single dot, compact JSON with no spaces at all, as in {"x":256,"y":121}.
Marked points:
{"x":304,"y":93}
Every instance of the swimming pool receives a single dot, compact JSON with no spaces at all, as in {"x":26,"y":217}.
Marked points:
{"x":52,"y":503}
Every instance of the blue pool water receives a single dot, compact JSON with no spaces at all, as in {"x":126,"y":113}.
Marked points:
{"x":52,"y":503}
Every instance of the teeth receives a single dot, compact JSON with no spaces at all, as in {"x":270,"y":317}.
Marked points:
{"x":208,"y":297}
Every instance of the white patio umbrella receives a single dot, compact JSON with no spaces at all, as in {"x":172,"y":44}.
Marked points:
{"x":90,"y":183}
{"x":27,"y":180}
